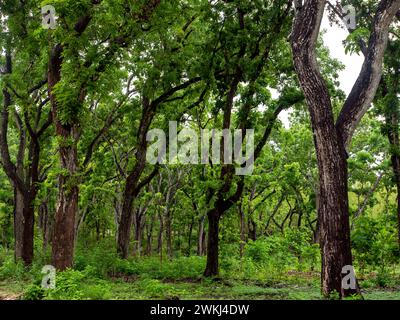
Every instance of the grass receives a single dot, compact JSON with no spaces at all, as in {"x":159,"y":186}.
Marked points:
{"x":98,"y":274}
{"x":298,"y":286}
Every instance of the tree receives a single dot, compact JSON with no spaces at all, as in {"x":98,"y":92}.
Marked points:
{"x":250,"y":44}
{"x":332,"y":139}
{"x":67,"y":103}
{"x":27,"y":102}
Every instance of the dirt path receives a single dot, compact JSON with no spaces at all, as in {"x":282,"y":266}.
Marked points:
{"x":9,"y":295}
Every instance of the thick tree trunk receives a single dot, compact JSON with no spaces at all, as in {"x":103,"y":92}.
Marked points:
{"x":333,"y":212}
{"x":23,"y":228}
{"x":333,"y":215}
{"x":125,"y":223}
{"x":29,"y":220}
{"x":212,"y":243}
{"x":252,"y":229}
{"x":67,"y":200}
{"x":67,"y":207}
{"x":18,"y":224}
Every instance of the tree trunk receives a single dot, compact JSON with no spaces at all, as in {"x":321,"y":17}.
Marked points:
{"x":168,"y":232}
{"x":67,"y":207}
{"x":18,"y":224}
{"x":44,"y":223}
{"x":125,"y":223}
{"x":333,"y":212}
{"x":67,"y":200}
{"x":160,"y":235}
{"x":252,"y":229}
{"x":132,"y":185}
{"x":242,"y":237}
{"x":138,"y":228}
{"x":150,"y":236}
{"x":23,"y":228}
{"x":212,"y":243}
{"x":190,"y":236}
{"x":200,"y":239}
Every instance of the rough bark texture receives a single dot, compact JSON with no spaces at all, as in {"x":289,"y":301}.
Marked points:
{"x":212,"y":266}
{"x":330,"y":139}
{"x":67,"y":207}
{"x":18,"y":224}
{"x":67,"y":200}
{"x":24,"y":181}
{"x":364,"y":89}
{"x":333,"y":210}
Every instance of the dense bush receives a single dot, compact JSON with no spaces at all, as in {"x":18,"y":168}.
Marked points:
{"x":71,"y":285}
{"x":293,"y":249}
{"x":374,"y":241}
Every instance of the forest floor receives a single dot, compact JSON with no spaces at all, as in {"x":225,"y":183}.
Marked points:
{"x":98,"y":274}
{"x":294,"y":286}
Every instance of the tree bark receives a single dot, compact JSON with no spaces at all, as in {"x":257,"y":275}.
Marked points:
{"x":44,"y":223}
{"x":25,"y":186}
{"x":212,"y":266}
{"x":149,"y":235}
{"x":68,"y":190}
{"x":124,"y":228}
{"x":18,"y":224}
{"x":132,"y":185}
{"x":67,"y":207}
{"x":139,"y":226}
{"x":331,"y":156}
{"x":201,"y":237}
{"x":331,"y":140}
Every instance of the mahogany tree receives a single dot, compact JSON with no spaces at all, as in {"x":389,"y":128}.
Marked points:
{"x":333,"y":137}
{"x":84,"y":48}
{"x":25,"y":107}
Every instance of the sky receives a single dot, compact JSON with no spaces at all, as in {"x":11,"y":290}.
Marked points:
{"x":333,"y":39}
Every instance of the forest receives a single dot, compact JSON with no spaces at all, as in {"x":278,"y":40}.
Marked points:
{"x":198,"y":150}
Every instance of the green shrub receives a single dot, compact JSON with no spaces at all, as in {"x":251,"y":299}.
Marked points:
{"x":11,"y":270}
{"x":374,"y":241}
{"x":34,"y":292}
{"x":102,"y":258}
